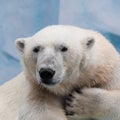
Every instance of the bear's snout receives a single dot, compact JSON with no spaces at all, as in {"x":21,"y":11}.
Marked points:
{"x":46,"y":75}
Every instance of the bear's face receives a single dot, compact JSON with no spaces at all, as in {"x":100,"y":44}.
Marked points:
{"x":53,"y":56}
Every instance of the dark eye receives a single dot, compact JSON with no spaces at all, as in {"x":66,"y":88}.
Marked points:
{"x":64,"y":49}
{"x":36,"y":49}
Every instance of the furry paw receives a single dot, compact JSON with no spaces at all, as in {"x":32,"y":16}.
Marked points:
{"x":83,"y":103}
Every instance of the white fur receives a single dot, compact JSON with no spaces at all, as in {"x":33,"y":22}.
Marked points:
{"x":26,"y":97}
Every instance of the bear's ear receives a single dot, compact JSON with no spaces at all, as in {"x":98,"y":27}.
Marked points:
{"x":90,"y":42}
{"x":20,"y":44}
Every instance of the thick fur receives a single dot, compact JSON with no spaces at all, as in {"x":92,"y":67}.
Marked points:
{"x":91,"y":63}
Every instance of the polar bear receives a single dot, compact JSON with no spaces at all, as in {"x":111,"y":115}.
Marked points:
{"x":59,"y":60}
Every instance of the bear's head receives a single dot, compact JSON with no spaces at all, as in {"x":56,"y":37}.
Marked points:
{"x":55,"y":56}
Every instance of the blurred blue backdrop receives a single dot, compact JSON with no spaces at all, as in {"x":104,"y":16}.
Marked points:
{"x":22,"y":18}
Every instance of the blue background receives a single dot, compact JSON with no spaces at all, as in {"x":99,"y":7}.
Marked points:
{"x":23,"y":18}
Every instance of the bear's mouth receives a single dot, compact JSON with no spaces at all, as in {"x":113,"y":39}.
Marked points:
{"x":49,"y":82}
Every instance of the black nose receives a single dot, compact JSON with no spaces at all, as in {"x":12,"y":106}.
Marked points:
{"x":46,"y":73}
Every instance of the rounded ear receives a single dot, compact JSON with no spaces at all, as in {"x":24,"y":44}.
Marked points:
{"x":90,"y":42}
{"x":20,"y":44}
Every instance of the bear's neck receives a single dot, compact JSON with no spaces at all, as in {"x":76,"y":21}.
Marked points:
{"x":97,"y":76}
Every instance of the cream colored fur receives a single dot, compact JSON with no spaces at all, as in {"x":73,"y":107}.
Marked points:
{"x":23,"y":98}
